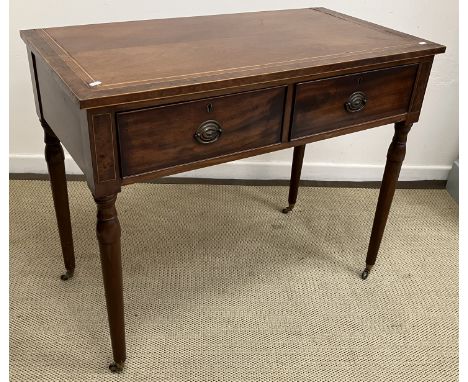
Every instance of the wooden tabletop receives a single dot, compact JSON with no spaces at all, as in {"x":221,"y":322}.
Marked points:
{"x":103,"y":64}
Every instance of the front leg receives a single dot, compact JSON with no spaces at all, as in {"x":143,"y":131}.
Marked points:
{"x":298,"y":157}
{"x":396,"y":154}
{"x":108,"y":235}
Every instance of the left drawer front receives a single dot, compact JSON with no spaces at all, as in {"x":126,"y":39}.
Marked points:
{"x":167,"y":136}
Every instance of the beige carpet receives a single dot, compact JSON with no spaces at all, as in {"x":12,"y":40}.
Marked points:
{"x":220,"y":286}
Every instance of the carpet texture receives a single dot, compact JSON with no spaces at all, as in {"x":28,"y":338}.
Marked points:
{"x":220,"y":286}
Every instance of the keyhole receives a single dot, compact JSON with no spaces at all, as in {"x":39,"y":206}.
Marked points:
{"x":359,"y":80}
{"x":209,"y":108}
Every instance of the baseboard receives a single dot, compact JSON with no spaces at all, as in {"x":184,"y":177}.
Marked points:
{"x":35,"y":164}
{"x":255,"y":170}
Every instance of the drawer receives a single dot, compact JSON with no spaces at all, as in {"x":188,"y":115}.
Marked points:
{"x":338,"y":102}
{"x":167,"y":136}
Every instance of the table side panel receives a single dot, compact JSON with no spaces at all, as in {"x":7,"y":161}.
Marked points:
{"x":420,"y":90}
{"x":35,"y":82}
{"x":63,"y":115}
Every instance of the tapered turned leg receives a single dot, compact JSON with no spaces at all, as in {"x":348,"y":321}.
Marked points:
{"x":56,"y":166}
{"x":298,"y":157}
{"x":108,"y":235}
{"x":396,"y":154}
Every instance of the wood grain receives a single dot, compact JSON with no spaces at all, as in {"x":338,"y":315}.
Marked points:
{"x":319,"y":105}
{"x":163,"y":137}
{"x":104,"y":141}
{"x":139,"y":59}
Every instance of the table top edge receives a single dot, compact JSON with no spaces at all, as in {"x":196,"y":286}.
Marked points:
{"x":87,"y":96}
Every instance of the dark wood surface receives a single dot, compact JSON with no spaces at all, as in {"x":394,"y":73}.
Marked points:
{"x":320,"y":105}
{"x":163,"y":137}
{"x":56,"y":167}
{"x":298,"y":157}
{"x":146,"y":59}
{"x":108,"y":234}
{"x":132,"y":101}
{"x":395,"y":156}
{"x":419,"y":91}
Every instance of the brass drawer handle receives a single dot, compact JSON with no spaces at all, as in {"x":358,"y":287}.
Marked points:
{"x":208,"y":132}
{"x":356,"y":102}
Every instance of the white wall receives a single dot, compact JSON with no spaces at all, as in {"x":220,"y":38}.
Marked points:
{"x":432,"y":144}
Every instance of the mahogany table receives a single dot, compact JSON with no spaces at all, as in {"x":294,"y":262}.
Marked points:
{"x":137,"y":100}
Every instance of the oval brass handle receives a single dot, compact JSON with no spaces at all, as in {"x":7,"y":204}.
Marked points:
{"x":208,"y":132}
{"x":356,"y":102}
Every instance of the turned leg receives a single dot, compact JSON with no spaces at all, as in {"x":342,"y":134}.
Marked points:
{"x":108,"y":235}
{"x":298,"y":157}
{"x":58,"y":182}
{"x":395,"y":156}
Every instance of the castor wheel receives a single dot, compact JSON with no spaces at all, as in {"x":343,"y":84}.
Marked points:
{"x":116,"y":367}
{"x":288,"y":209}
{"x":67,"y":275}
{"x":366,"y":271}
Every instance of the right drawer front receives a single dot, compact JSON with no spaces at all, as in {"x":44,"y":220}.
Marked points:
{"x":339,"y":102}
